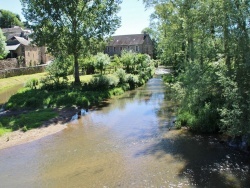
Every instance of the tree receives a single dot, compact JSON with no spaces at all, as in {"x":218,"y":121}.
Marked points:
{"x":209,"y":42}
{"x":9,"y":19}
{"x":101,"y":61}
{"x":71,"y":27}
{"x":3,"y":51}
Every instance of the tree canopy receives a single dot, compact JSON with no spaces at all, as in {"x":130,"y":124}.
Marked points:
{"x":207,"y":42}
{"x":71,"y":27}
{"x":3,"y":51}
{"x":9,"y":19}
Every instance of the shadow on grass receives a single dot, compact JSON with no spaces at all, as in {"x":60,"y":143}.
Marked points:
{"x":207,"y":162}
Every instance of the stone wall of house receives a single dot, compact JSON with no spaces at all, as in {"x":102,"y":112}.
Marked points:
{"x":32,"y":56}
{"x":8,"y":63}
{"x":22,"y":71}
{"x":36,"y":55}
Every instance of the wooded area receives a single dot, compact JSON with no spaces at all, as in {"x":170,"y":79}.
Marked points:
{"x":207,"y":42}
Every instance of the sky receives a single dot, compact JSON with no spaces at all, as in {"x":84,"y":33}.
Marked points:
{"x":133,"y":15}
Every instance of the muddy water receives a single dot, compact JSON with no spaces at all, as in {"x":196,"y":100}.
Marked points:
{"x":125,"y":143}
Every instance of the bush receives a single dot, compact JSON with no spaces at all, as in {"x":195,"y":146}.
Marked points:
{"x":34,"y":102}
{"x":121,"y":74}
{"x":33,"y":83}
{"x":99,"y":83}
{"x":133,"y":81}
{"x":116,"y":91}
{"x":113,"y":80}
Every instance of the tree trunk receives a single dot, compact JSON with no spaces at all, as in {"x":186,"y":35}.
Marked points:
{"x":76,"y":64}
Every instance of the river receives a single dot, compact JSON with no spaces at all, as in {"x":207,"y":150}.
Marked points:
{"x":127,"y":142}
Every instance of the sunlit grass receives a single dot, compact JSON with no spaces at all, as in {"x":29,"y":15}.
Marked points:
{"x":4,"y":130}
{"x":26,"y":121}
{"x":6,"y":83}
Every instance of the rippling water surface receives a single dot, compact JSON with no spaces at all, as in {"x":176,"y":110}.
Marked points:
{"x":125,"y":143}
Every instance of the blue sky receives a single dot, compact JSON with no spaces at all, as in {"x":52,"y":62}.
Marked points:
{"x":133,"y":15}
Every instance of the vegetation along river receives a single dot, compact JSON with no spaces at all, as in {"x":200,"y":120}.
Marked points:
{"x":125,"y":143}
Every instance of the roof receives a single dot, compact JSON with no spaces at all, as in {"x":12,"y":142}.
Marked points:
{"x":12,"y":48}
{"x":22,"y":41}
{"x":15,"y":31}
{"x":135,"y":39}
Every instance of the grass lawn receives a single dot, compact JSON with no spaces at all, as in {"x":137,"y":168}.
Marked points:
{"x":6,"y":83}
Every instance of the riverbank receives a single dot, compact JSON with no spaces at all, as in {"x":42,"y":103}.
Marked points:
{"x":19,"y":137}
{"x":49,"y":127}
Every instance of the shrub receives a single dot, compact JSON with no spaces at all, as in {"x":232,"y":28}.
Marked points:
{"x":116,"y":91}
{"x":34,"y":102}
{"x":33,"y":83}
{"x":99,"y":83}
{"x":121,"y":74}
{"x":113,"y":80}
{"x":133,"y":81}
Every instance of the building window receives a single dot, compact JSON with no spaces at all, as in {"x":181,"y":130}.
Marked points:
{"x":137,"y":48}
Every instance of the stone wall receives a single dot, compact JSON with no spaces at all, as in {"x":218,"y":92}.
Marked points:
{"x":8,"y":63}
{"x":22,"y":71}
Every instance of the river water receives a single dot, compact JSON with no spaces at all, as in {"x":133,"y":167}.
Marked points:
{"x":128,"y":142}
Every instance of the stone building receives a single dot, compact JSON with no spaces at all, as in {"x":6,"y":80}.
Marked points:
{"x":19,"y":46}
{"x":140,"y":43}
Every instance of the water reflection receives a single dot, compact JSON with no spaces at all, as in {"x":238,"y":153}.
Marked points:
{"x":126,"y":143}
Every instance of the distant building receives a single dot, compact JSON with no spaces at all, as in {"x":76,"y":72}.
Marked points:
{"x":20,"y":47}
{"x":140,"y":43}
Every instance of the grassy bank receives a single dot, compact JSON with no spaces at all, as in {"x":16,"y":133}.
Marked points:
{"x":38,"y":113}
{"x":41,"y":104}
{"x":6,"y":83}
{"x":57,"y":91}
{"x":25,"y":121}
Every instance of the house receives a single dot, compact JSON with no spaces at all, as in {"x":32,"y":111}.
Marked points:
{"x":19,"y":46}
{"x":140,"y":43}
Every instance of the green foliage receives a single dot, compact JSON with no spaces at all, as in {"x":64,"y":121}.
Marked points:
{"x":99,"y":83}
{"x":3,"y":51}
{"x":169,"y":78}
{"x":28,"y":121}
{"x":133,"y":81}
{"x":121,"y":74}
{"x":32,"y":83}
{"x":9,"y":19}
{"x":79,"y":26}
{"x":4,"y":130}
{"x":128,"y":60}
{"x":210,"y":100}
{"x":87,"y":64}
{"x":58,"y":70}
{"x":116,"y":63}
{"x":193,"y":34}
{"x":101,"y":61}
{"x":116,"y":91}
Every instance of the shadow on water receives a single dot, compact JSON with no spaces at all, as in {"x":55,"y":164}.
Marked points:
{"x":207,"y":162}
{"x":128,"y":141}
